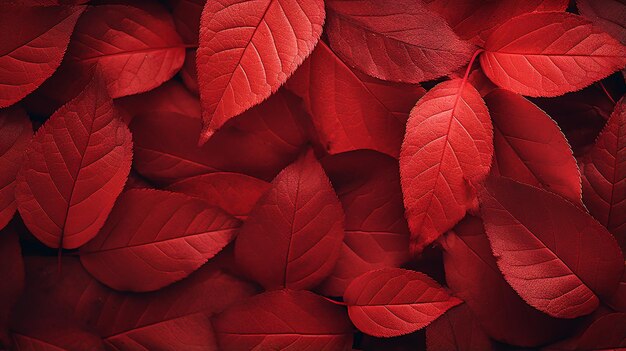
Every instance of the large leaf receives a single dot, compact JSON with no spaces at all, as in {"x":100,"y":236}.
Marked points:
{"x":351,"y":110}
{"x":392,"y":301}
{"x":292,"y":237}
{"x":457,"y":330}
{"x":448,"y":141}
{"x":136,"y":48}
{"x":473,"y":275}
{"x":604,"y":167}
{"x":395,"y":40}
{"x":248,"y":50}
{"x":376,"y":233}
{"x":153,"y":238}
{"x":530,"y":147}
{"x":550,"y":251}
{"x":258,"y":143}
{"x":15,"y":134}
{"x":549,"y":54}
{"x":284,"y":320}
{"x":30,"y":55}
{"x":74,"y":169}
{"x":609,"y":15}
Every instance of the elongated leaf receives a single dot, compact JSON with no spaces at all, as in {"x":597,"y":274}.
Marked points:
{"x":284,"y":320}
{"x":448,"y":140}
{"x":473,"y":275}
{"x":232,"y":192}
{"x":351,"y":110}
{"x":12,"y":277}
{"x":530,"y":147}
{"x":457,"y":330}
{"x":30,"y":55}
{"x":74,"y":169}
{"x":475,"y":20}
{"x":392,"y":301}
{"x":376,"y":233}
{"x":604,"y":184}
{"x":154,"y":238}
{"x":259,"y":143}
{"x":248,"y":50}
{"x":610,"y":15}
{"x":394,"y":40}
{"x":550,"y":251}
{"x":549,"y":54}
{"x":136,"y":48}
{"x":15,"y":134}
{"x":293,"y":235}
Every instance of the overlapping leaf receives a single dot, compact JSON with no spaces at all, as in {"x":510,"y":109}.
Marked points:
{"x":610,"y":15}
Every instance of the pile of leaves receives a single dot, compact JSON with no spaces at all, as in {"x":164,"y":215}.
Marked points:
{"x":312,"y":175}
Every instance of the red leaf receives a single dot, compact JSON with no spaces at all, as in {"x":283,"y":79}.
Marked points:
{"x":530,"y":147}
{"x":136,"y":48}
{"x":609,"y":15}
{"x":473,"y":275}
{"x":475,"y":20}
{"x":457,"y":330}
{"x":258,"y":143}
{"x":604,"y":184}
{"x":52,"y":333}
{"x":153,"y":238}
{"x":549,"y":250}
{"x":618,"y":300}
{"x":549,"y":54}
{"x":376,"y":233}
{"x":30,"y":55}
{"x":448,"y":140}
{"x":606,"y":333}
{"x":74,"y":169}
{"x":392,"y":301}
{"x":186,"y":15}
{"x":394,"y":40}
{"x":248,"y":50}
{"x":293,"y":235}
{"x":284,"y":320}
{"x":15,"y":134}
{"x":351,"y":110}
{"x":232,"y":192}
{"x":12,"y":277}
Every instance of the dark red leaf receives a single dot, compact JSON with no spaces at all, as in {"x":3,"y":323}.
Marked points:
{"x":549,"y":54}
{"x":74,"y":169}
{"x":606,"y":333}
{"x":457,"y":330}
{"x":292,"y":237}
{"x":248,"y":50}
{"x":449,"y":140}
{"x":392,"y":301}
{"x":284,"y":320}
{"x":549,"y":250}
{"x":186,"y":15}
{"x":609,"y":15}
{"x":12,"y":278}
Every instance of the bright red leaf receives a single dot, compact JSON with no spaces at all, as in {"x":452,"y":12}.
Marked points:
{"x":248,"y":50}
{"x":392,"y":301}
{"x":74,"y":169}
{"x":448,"y":141}
{"x":292,"y":237}
{"x":549,"y":250}
{"x":550,"y":54}
{"x":284,"y":320}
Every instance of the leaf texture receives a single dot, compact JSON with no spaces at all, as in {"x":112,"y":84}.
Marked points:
{"x":349,"y":109}
{"x":259,"y":143}
{"x":449,"y":140}
{"x":234,"y":193}
{"x":74,"y":169}
{"x":284,"y":320}
{"x":392,"y":301}
{"x":292,"y":237}
{"x":530,"y":147}
{"x":376,"y":233}
{"x":458,"y":330}
{"x":153,"y":238}
{"x":135,"y":47}
{"x":609,"y":15}
{"x":394,"y":40}
{"x":30,"y":55}
{"x":248,"y":50}
{"x":604,"y":167}
{"x":550,"y":251}
{"x":505,"y":317}
{"x":16,"y":131}
{"x":549,"y":54}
